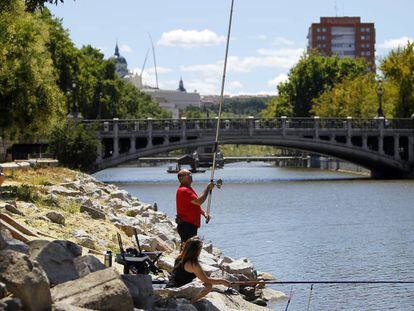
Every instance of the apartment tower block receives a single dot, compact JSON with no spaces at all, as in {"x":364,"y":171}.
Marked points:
{"x":343,"y":36}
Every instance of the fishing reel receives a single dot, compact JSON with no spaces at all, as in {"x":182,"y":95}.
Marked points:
{"x":218,"y":183}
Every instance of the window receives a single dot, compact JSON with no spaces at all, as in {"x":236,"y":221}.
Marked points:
{"x":323,"y":29}
{"x":318,"y":30}
{"x":320,"y":38}
{"x":365,"y":37}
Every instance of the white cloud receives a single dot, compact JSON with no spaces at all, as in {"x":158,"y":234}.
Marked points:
{"x":282,"y":41}
{"x":234,"y":85}
{"x":277,"y":80}
{"x":282,"y":52}
{"x":262,"y":37}
{"x":266,"y":59}
{"x":125,"y":48}
{"x":190,"y":38}
{"x":395,"y":43}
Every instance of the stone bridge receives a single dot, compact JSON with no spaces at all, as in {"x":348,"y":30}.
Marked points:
{"x":384,"y":146}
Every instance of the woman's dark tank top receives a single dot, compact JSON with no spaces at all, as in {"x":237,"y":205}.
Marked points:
{"x":179,"y":276}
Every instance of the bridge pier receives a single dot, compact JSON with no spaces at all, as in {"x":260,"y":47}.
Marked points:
{"x":397,"y":147}
{"x":115,"y":153}
{"x":132,"y":147}
{"x":411,"y":149}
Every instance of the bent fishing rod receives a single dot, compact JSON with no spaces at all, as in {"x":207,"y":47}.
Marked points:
{"x":221,"y":100}
{"x":322,"y":282}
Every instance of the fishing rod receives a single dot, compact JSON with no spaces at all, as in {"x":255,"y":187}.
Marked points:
{"x":322,"y":282}
{"x":221,"y":100}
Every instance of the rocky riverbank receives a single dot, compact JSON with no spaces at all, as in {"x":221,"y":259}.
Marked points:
{"x":67,"y":220}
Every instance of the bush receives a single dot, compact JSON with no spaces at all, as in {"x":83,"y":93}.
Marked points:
{"x":75,"y":145}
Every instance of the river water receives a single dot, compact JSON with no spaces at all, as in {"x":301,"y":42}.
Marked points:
{"x":301,"y":224}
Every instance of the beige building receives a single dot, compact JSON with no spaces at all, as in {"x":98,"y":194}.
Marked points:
{"x":174,"y":101}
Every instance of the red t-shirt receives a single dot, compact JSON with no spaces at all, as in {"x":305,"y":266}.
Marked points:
{"x":186,"y":210}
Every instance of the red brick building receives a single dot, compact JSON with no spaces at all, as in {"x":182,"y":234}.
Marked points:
{"x":343,"y":36}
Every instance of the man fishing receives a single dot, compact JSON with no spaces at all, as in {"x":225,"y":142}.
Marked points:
{"x":189,"y":208}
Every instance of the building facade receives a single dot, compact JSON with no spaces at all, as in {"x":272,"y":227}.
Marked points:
{"x":174,"y":101}
{"x":344,"y":37}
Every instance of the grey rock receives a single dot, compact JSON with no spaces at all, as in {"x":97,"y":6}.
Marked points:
{"x":101,"y":290}
{"x":87,"y":242}
{"x":7,"y":242}
{"x":87,"y":264}
{"x":60,"y":190}
{"x":26,"y":280}
{"x":56,"y":217}
{"x":187,"y":291}
{"x":67,"y":307}
{"x":241,"y":266}
{"x":217,"y":302}
{"x":12,"y":208}
{"x":93,"y":212}
{"x":121,"y":194}
{"x":166,"y":263}
{"x":269,"y":294}
{"x":141,"y":290}
{"x":11,"y":304}
{"x":118,"y":203}
{"x":56,"y":259}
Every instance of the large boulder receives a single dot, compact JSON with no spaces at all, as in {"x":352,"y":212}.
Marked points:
{"x":67,"y":307}
{"x":241,"y":266}
{"x":26,"y":280}
{"x":87,"y":264}
{"x":101,"y":290}
{"x":56,"y":259}
{"x":93,"y":212}
{"x":141,"y":290}
{"x":152,"y":244}
{"x":7,"y":242}
{"x":215,"y":301}
{"x":166,"y":263}
{"x":187,"y":291}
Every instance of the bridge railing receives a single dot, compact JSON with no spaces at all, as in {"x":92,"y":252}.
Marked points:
{"x":249,"y":123}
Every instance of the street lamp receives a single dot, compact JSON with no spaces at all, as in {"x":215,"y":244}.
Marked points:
{"x":74,"y":99}
{"x":380,"y":92}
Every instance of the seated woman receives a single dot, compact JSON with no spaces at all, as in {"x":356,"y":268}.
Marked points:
{"x":187,"y":268}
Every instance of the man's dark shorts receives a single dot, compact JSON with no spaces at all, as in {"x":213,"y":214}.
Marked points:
{"x":186,"y":230}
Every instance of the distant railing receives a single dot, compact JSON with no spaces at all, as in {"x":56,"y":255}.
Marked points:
{"x":138,"y":125}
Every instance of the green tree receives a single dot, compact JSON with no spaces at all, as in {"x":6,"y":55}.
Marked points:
{"x":277,"y":108}
{"x":30,"y":100}
{"x":75,"y":145}
{"x":310,"y":77}
{"x":355,"y":98}
{"x":398,"y":68}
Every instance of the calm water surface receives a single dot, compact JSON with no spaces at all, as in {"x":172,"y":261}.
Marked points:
{"x":304,"y":225}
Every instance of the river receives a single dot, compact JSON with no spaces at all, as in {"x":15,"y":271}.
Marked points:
{"x":302,"y":224}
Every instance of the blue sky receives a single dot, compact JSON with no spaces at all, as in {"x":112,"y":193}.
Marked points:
{"x":268,"y":36}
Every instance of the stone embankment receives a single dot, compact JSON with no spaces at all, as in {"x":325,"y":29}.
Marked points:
{"x":67,"y":228}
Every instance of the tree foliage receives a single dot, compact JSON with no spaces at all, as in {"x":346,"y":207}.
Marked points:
{"x":30,"y":100}
{"x":74,"y":145}
{"x":43,"y":76}
{"x":310,"y":77}
{"x":355,"y":98}
{"x":398,"y":68}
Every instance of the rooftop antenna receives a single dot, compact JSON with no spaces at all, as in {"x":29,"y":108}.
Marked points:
{"x":336,"y":8}
{"x":155,"y":62}
{"x":145,"y":61}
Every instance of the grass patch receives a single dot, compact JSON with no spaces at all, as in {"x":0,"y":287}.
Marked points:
{"x":22,"y":192}
{"x":46,"y":176}
{"x":70,"y":207}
